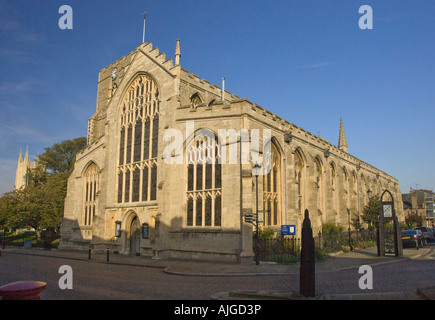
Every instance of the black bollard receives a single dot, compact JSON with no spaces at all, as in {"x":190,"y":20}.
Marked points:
{"x":89,"y":254}
{"x":307,"y":267}
{"x":107,"y":256}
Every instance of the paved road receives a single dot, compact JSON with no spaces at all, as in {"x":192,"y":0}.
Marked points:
{"x":92,"y":280}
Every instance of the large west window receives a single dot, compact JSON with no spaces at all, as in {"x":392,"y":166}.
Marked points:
{"x":138,"y":142}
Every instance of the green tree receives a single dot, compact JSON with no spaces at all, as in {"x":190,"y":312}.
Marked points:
{"x":40,"y":204}
{"x":61,"y":156}
{"x":371,"y":212}
{"x":414,"y":220}
{"x":331,"y":227}
{"x":8,"y":206}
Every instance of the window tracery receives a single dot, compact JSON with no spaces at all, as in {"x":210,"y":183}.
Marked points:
{"x":138,"y":145}
{"x":91,"y":188}
{"x":203,"y":182}
{"x":271,"y":187}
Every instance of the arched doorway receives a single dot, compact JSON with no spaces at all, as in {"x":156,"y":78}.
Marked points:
{"x":135,"y":235}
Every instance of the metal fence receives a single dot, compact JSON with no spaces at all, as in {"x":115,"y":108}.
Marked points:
{"x":29,"y":239}
{"x":288,"y":249}
{"x":334,"y":242}
{"x":281,"y":250}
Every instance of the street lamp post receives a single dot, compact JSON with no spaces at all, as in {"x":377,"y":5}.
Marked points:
{"x":369,"y":195}
{"x":257,"y":243}
{"x":348,"y":215}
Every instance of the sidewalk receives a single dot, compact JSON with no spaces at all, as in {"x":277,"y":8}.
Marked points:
{"x":336,"y":262}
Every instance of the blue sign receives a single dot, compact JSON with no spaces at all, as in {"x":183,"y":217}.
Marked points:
{"x":288,"y":230}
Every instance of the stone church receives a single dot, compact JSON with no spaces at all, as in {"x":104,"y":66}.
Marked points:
{"x":23,"y":167}
{"x":156,"y":176}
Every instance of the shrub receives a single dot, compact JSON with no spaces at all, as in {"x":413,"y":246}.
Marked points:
{"x":330,"y":227}
{"x":266,"y":234}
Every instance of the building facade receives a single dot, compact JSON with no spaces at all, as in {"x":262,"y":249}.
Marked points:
{"x":420,"y":202}
{"x":172,"y":162}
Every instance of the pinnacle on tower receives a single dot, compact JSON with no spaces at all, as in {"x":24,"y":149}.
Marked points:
{"x":342,"y":143}
{"x":26,"y":156}
{"x":177,"y":53}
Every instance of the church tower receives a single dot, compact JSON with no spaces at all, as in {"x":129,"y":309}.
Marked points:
{"x":342,"y":143}
{"x":23,"y":166}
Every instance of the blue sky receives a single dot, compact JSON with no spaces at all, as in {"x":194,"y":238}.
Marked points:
{"x":305,"y":60}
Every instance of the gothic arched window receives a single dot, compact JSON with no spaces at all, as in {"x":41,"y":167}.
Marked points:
{"x":299,"y":177}
{"x":195,"y":100}
{"x":319,"y":183}
{"x":90,"y":189}
{"x":271,"y":186}
{"x":204,"y":181}
{"x":138,"y":142}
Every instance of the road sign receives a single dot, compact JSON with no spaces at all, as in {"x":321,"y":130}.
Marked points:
{"x":250,"y":218}
{"x":288,"y":229}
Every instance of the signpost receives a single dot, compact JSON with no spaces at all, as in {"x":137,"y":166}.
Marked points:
{"x":253,"y":219}
{"x":388,"y":213}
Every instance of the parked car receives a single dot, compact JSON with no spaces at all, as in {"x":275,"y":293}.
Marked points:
{"x":427,"y":233}
{"x":413,"y":238}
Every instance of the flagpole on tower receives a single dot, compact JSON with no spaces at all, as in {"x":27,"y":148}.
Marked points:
{"x":144,"y":19}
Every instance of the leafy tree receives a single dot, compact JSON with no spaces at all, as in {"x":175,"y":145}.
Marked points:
{"x":61,"y":156}
{"x":7,"y":209}
{"x":413,"y":220}
{"x":40,"y":204}
{"x":371,"y":212}
{"x":36,"y":176}
{"x":266,"y":234}
{"x":331,"y":227}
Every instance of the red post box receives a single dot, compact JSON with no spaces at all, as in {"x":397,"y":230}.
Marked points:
{"x":23,"y":290}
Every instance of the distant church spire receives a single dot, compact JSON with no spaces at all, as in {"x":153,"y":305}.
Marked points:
{"x":342,"y":143}
{"x":23,"y":166}
{"x":26,"y":156}
{"x":20,"y":158}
